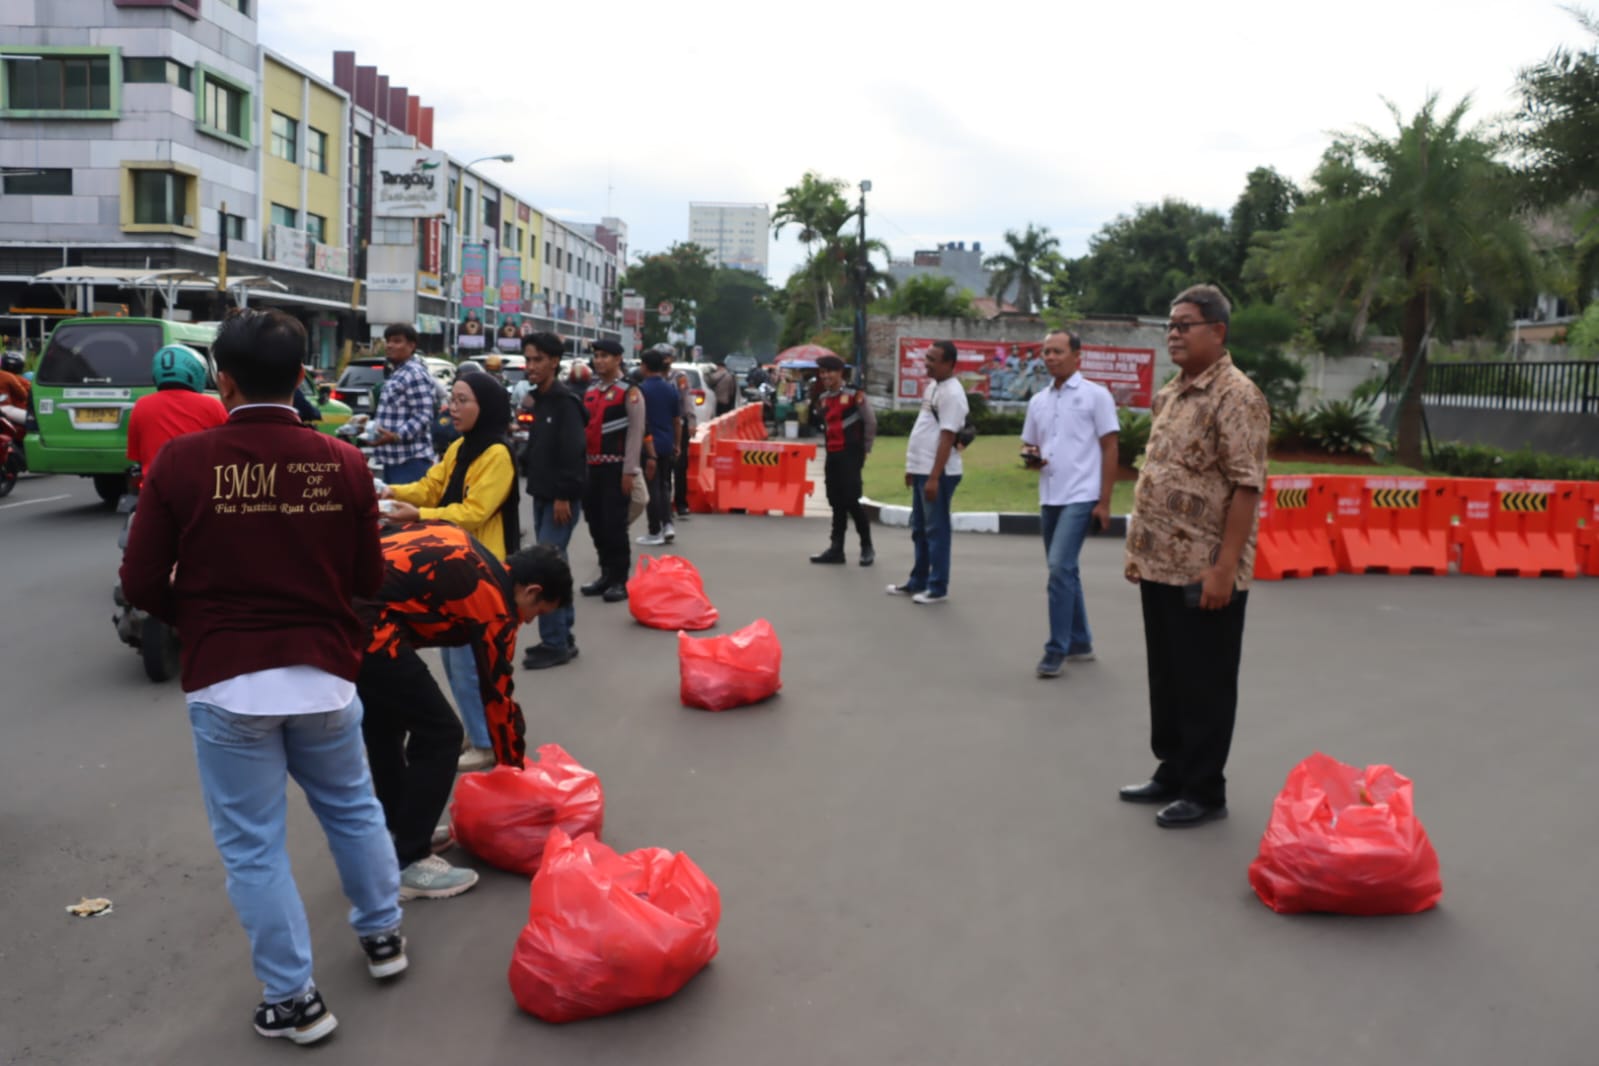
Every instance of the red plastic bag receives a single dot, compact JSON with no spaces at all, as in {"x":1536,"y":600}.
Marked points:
{"x":1345,"y":840}
{"x":505,"y":816}
{"x":606,"y":932}
{"x":729,"y":671}
{"x":667,"y":593}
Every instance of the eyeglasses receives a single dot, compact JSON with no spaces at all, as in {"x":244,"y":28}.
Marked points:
{"x":1184,"y":327}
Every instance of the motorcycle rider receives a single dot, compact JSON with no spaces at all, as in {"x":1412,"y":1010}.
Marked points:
{"x":14,"y":389}
{"x":178,"y":406}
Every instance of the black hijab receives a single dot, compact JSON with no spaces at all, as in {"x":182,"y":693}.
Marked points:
{"x":493,"y":427}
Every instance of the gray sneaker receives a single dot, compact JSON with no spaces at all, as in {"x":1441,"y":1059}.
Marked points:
{"x":474,"y":759}
{"x":1081,"y":656}
{"x":1053,"y":664}
{"x":433,"y":878}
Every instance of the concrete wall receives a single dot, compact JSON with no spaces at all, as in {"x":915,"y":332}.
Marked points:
{"x":1558,"y":434}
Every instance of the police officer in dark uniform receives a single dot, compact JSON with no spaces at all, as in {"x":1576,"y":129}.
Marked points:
{"x":845,"y":416}
{"x":615,"y":438}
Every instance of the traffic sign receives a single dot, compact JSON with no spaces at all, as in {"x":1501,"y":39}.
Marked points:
{"x":664,"y":308}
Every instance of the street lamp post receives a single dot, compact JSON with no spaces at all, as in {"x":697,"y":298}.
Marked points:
{"x":461,"y":227}
{"x":860,"y":290}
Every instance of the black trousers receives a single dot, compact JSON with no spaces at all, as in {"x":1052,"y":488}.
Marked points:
{"x":679,"y":469}
{"x":843,"y":474}
{"x":660,"y":505}
{"x":413,"y":740}
{"x":1193,"y":688}
{"x":605,"y":508}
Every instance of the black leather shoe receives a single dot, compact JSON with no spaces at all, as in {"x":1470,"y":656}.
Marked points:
{"x":615,"y":594}
{"x":1186,"y":813}
{"x":868,"y":556}
{"x":835,"y":554}
{"x":1149,"y":792}
{"x":596,"y":587}
{"x":543,"y":657}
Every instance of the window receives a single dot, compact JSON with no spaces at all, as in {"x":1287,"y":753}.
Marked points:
{"x":285,"y":216}
{"x":316,"y":150}
{"x":39,"y":183}
{"x":62,"y":82}
{"x":509,"y":237}
{"x":223,"y":108}
{"x":233,"y":225}
{"x":546,"y":255}
{"x":532,"y":246}
{"x":157,"y":71}
{"x":285,"y":132}
{"x":466,"y":215}
{"x":317,"y":227}
{"x":241,"y":6}
{"x":160,"y":198}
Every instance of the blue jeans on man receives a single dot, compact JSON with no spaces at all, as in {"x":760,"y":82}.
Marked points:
{"x":1065,"y":528}
{"x":407,"y":472}
{"x":930,"y":535}
{"x":555,"y":628}
{"x":244,"y":761}
{"x":460,"y":670}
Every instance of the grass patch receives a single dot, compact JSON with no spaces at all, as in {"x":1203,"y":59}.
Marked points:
{"x":995,"y":480}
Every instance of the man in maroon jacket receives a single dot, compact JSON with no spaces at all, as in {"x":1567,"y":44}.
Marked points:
{"x":253,"y":539}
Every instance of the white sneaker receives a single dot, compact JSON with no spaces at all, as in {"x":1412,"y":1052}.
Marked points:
{"x":433,"y":878}
{"x":669,"y":532}
{"x":474,"y":759}
{"x":927,"y":599}
{"x":652,"y":539}
{"x":900,"y":590}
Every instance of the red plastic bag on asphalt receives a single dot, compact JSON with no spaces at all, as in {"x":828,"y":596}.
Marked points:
{"x":732,"y":670}
{"x":606,"y":932}
{"x":505,"y":816}
{"x":667,"y":593}
{"x":1345,"y":840}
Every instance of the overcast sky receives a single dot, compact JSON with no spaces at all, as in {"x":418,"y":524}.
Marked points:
{"x":969,"y":119}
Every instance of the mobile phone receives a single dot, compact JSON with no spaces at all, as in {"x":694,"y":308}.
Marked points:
{"x":1192,"y":593}
{"x":1032,"y":459}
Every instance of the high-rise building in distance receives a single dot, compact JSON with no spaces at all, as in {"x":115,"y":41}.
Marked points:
{"x":736,"y":234}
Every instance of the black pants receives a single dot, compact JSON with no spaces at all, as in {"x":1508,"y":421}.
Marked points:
{"x":843,"y":472}
{"x":413,"y":740}
{"x":660,"y":505}
{"x":679,"y":468}
{"x":1193,"y":688}
{"x":605,"y":508}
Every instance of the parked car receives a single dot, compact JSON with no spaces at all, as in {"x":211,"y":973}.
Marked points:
{"x":361,"y":381}
{"x":704,"y":398}
{"x":739,"y":364}
{"x":443,"y":370}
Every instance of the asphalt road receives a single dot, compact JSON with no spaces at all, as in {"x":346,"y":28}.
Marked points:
{"x":919,"y":847}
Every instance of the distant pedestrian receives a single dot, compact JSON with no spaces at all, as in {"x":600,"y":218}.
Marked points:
{"x":1191,"y":551}
{"x":932,"y":472}
{"x":406,"y":410}
{"x":724,"y":386}
{"x":663,"y":422}
{"x":272,"y":530}
{"x":615,"y":436}
{"x":688,"y":419}
{"x":556,"y":464}
{"x":1069,"y":437}
{"x":848,"y":424}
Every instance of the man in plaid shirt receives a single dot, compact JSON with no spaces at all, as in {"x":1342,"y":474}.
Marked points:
{"x":406,"y":407}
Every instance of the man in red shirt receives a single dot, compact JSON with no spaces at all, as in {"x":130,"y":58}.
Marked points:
{"x":178,"y":406}
{"x":273,"y":529}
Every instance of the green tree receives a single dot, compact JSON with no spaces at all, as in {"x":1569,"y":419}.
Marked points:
{"x":1265,"y":206}
{"x":1422,"y":221}
{"x":681,"y":275}
{"x":1137,"y":263}
{"x":1256,"y":337}
{"x":817,"y":206}
{"x":1018,"y":271}
{"x":927,"y":296}
{"x":1060,"y":298}
{"x":737,"y":316}
{"x":1583,"y":336}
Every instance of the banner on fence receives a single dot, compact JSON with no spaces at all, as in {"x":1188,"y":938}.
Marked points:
{"x":1011,"y":371}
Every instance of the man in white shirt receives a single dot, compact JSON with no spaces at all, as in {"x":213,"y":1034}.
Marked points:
{"x":932,"y":471}
{"x":1069,"y":437}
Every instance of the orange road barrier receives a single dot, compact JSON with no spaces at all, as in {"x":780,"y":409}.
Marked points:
{"x":1519,"y":528}
{"x":1588,"y":535}
{"x":1389,"y":525}
{"x":741,"y":423}
{"x":1293,"y":539}
{"x":756,"y":477}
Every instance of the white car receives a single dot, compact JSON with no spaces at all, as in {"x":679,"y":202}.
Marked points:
{"x":443,"y":371}
{"x":698,"y":384}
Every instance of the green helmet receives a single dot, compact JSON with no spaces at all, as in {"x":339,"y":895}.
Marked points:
{"x":180,"y":365}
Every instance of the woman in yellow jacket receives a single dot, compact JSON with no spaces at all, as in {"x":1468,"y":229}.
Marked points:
{"x":474,"y":487}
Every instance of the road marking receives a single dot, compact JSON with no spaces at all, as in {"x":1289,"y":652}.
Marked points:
{"x":42,"y":499}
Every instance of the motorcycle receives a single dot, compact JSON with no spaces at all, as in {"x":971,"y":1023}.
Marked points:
{"x":13,"y":461}
{"x":155,"y":641}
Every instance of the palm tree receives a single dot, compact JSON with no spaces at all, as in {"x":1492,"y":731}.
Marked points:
{"x":817,"y":206}
{"x":1422,"y":223}
{"x":1019,"y":269}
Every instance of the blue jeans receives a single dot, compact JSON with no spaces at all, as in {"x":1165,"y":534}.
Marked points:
{"x":555,"y":628}
{"x":460,"y":670}
{"x":406,"y":472}
{"x":244,"y":761}
{"x":1065,"y":527}
{"x":930,"y":535}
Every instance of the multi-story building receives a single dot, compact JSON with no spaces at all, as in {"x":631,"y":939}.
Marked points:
{"x":737,"y":235}
{"x":962,"y":265}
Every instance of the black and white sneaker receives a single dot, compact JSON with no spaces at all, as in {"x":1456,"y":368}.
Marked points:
{"x":304,"y":1019}
{"x":385,"y":954}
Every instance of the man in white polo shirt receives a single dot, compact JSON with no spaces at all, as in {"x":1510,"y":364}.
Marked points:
{"x":1070,"y":439}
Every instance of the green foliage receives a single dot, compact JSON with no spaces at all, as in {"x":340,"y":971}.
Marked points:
{"x":738,"y":316}
{"x":896,"y":422}
{"x":1060,"y":298}
{"x":1481,"y":460}
{"x":990,"y":423}
{"x":1557,"y":127}
{"x":1136,"y":264}
{"x":1344,"y":427}
{"x":1255,"y":338}
{"x":1583,"y":335}
{"x":817,"y":206}
{"x":1132,"y":435}
{"x":1264,"y":207}
{"x":1293,"y":430}
{"x":1017,"y":272}
{"x":1372,"y":390}
{"x":683,"y":275}
{"x":927,"y":296}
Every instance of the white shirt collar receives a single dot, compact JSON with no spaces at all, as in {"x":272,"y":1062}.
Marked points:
{"x":1070,"y":383}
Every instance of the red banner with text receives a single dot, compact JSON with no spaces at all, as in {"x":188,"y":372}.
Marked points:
{"x":1011,"y":371}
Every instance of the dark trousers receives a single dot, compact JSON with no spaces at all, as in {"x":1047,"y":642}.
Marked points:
{"x":660,"y":505}
{"x":1193,"y":688}
{"x":679,"y":468}
{"x":843,"y":473}
{"x":413,"y":739}
{"x":605,"y":508}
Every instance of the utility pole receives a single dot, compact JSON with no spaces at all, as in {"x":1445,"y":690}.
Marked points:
{"x":860,"y":267}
